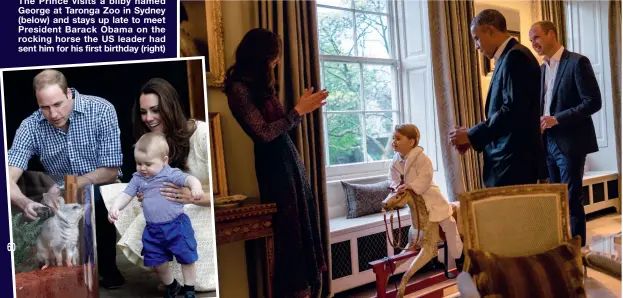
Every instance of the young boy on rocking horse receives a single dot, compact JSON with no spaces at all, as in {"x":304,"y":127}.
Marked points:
{"x":412,"y":169}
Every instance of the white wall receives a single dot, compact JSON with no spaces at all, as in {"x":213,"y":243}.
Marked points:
{"x":519,"y":17}
{"x":238,"y":18}
{"x":587,"y":34}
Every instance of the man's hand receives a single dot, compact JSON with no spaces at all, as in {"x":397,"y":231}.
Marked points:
{"x":548,"y":122}
{"x":463,"y":148}
{"x":459,"y":139}
{"x":30,"y":208}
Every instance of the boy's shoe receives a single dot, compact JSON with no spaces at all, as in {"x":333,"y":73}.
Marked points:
{"x":172,"y":290}
{"x":189,"y":291}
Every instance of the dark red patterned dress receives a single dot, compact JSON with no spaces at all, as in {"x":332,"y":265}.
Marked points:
{"x":281,"y":176}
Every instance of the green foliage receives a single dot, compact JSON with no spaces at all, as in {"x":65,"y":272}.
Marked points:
{"x":25,"y":236}
{"x":360,"y":107}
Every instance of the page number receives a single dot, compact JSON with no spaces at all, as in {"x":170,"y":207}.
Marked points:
{"x":10,"y":246}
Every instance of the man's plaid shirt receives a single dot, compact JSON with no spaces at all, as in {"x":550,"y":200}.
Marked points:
{"x":91,"y":141}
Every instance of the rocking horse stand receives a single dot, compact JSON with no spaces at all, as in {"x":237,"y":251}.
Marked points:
{"x":384,"y":268}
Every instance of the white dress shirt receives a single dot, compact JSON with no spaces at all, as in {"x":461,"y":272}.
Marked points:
{"x":551,"y":68}
{"x":500,"y":50}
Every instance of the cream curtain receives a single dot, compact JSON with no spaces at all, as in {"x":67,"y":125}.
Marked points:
{"x":457,"y":89}
{"x":614,"y":31}
{"x":554,"y":11}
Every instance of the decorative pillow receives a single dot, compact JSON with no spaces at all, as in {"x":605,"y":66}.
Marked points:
{"x":364,"y":199}
{"x":554,"y":273}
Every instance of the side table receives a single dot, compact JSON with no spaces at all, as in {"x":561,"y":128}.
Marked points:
{"x":248,"y":221}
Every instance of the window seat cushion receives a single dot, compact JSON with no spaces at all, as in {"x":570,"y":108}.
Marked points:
{"x":342,"y":225}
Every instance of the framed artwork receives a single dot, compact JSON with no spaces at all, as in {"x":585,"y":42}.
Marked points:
{"x":201,"y":34}
{"x":194,"y":69}
{"x":217,"y":157}
{"x":488,"y":65}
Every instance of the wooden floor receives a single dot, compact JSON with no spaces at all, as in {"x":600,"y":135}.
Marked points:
{"x":599,"y":285}
{"x":140,"y":283}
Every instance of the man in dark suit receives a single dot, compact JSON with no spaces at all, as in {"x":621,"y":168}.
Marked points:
{"x":569,"y":96}
{"x":510,"y":138}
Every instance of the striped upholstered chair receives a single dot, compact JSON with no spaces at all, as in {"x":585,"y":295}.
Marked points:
{"x":517,"y":239}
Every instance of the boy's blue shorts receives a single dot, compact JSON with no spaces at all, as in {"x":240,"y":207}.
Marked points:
{"x":162,"y":241}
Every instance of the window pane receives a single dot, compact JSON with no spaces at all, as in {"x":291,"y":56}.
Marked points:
{"x":326,"y":137}
{"x":379,"y":129}
{"x":371,"y":5}
{"x":335,"y":30}
{"x":345,"y":143}
{"x":336,"y":3}
{"x":377,"y":87}
{"x":373,"y":39}
{"x":342,"y":80}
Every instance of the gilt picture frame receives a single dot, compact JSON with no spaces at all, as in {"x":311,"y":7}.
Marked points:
{"x":217,"y":157}
{"x":201,"y":34}
{"x":196,"y":95}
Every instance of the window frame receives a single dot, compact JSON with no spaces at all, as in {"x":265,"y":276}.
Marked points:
{"x":365,"y":169}
{"x":409,"y":108}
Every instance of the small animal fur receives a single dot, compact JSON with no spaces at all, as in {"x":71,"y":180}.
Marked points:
{"x":59,"y":233}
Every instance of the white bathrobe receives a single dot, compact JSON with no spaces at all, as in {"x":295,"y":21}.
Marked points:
{"x":417,"y":169}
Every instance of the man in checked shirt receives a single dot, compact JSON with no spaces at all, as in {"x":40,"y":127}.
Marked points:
{"x":72,"y":134}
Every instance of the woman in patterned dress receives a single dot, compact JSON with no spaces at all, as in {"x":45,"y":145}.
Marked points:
{"x":251,"y":91}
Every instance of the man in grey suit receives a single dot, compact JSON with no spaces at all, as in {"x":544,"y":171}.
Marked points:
{"x":510,"y":138}
{"x":569,"y":96}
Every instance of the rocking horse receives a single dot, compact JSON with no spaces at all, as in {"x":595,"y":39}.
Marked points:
{"x":423,"y":235}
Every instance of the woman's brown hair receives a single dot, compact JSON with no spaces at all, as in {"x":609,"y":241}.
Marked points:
{"x":178,"y":129}
{"x":258,"y":48}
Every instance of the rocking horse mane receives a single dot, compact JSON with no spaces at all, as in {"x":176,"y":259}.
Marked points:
{"x":413,"y":197}
{"x":414,"y":208}
{"x":424,"y":236}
